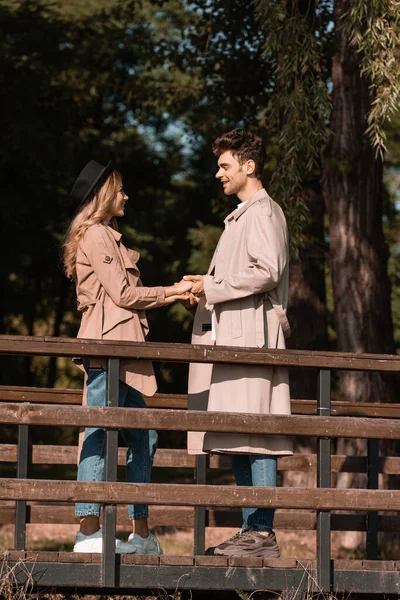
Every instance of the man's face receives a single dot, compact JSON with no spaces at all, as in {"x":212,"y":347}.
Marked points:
{"x":231,"y":173}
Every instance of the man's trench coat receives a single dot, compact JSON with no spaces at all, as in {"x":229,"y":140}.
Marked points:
{"x":247,"y":283}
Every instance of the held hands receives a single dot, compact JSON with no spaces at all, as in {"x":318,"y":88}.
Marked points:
{"x":178,"y":291}
{"x":198,"y":284}
{"x":188,"y":290}
{"x":191,"y":301}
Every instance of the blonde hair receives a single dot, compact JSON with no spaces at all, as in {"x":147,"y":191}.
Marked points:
{"x":92,"y":212}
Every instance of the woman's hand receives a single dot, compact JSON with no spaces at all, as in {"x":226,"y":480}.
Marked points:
{"x":177,"y":297}
{"x":178,"y":289}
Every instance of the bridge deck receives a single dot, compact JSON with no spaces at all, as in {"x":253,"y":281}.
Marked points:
{"x":200,"y":572}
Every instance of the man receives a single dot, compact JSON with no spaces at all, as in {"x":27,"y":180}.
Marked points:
{"x":242,"y":302}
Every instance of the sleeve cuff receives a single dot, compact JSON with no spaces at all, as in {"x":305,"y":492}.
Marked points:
{"x":160,"y":292}
{"x":210,"y":289}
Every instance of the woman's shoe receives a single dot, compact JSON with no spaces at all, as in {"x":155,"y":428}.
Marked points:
{"x":149,"y":545}
{"x":94,"y":544}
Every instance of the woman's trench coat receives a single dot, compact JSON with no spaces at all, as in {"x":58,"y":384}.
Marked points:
{"x":112,"y":300}
{"x":247,"y":283}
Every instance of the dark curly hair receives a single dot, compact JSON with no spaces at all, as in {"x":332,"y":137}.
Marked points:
{"x":244,"y":145}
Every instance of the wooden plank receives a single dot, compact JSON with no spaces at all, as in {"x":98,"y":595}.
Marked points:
{"x":199,"y":495}
{"x":14,"y":555}
{"x":51,"y":514}
{"x":35,"y":556}
{"x":167,"y":401}
{"x":168,"y":559}
{"x":97,"y":558}
{"x":179,"y":420}
{"x":211,"y":561}
{"x":349,"y":409}
{"x":74,"y":557}
{"x":347,"y":564}
{"x":140,"y":559}
{"x":379,"y":565}
{"x":179,"y":401}
{"x":43,"y":395}
{"x":250,"y":562}
{"x":67,"y":455}
{"x":74,"y":396}
{"x":280,"y":563}
{"x":307,"y":564}
{"x":48,"y":346}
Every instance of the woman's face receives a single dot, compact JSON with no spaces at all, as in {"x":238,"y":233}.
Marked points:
{"x":118,"y":207}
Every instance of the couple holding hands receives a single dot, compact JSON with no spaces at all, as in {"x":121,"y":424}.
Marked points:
{"x":241,"y":301}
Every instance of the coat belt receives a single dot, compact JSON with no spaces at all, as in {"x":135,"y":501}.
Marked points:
{"x":282,"y":318}
{"x":85,"y":306}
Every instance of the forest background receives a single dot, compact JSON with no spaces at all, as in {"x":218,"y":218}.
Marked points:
{"x":150,"y":84}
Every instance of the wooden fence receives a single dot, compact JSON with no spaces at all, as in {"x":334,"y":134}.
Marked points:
{"x":24,"y":499}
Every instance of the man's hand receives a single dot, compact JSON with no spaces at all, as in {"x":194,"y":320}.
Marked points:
{"x":190,"y":302}
{"x":198,"y":284}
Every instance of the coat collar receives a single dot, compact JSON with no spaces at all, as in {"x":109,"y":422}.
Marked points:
{"x":257,"y":197}
{"x":116,"y":234}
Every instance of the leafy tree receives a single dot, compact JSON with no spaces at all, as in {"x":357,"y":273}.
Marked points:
{"x":359,"y":76}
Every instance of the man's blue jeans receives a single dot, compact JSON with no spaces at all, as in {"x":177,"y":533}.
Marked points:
{"x":257,"y":471}
{"x":141,"y":444}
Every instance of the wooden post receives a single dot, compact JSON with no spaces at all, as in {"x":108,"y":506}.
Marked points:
{"x":324,"y":481}
{"x":24,"y":458}
{"x":109,"y":575}
{"x":372,"y":484}
{"x":200,"y":511}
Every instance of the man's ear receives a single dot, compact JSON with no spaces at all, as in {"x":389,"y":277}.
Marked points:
{"x":250,"y":167}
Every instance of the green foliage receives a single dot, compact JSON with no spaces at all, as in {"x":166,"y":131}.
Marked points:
{"x":151,"y":84}
{"x":204,"y":239}
{"x":374,"y":28}
{"x":297,"y":112}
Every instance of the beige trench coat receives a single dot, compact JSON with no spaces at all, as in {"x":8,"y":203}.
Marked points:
{"x":247,"y":283}
{"x":113,"y":300}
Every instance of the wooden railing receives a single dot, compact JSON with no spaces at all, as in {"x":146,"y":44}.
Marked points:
{"x":196,"y":504}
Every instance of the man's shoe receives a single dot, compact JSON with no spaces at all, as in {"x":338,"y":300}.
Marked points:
{"x":249,"y":543}
{"x":94,"y":544}
{"x":149,"y":545}
{"x":226,"y":544}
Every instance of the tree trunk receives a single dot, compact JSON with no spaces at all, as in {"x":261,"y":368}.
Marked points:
{"x":352,"y":186}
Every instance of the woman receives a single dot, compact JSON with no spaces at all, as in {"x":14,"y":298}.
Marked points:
{"x":112,"y":301}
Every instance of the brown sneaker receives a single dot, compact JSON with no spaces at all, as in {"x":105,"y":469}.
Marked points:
{"x":229,"y":542}
{"x":250,"y":543}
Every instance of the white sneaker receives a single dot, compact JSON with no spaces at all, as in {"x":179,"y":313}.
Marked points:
{"x":149,"y":545}
{"x":94,"y":544}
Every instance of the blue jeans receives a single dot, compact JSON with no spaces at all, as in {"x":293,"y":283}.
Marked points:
{"x":257,"y":471}
{"x":142,"y":444}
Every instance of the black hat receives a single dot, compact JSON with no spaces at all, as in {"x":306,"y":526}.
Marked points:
{"x":92,"y":176}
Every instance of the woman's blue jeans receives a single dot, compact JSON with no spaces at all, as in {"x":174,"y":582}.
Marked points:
{"x":257,"y":471}
{"x":141,"y":444}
